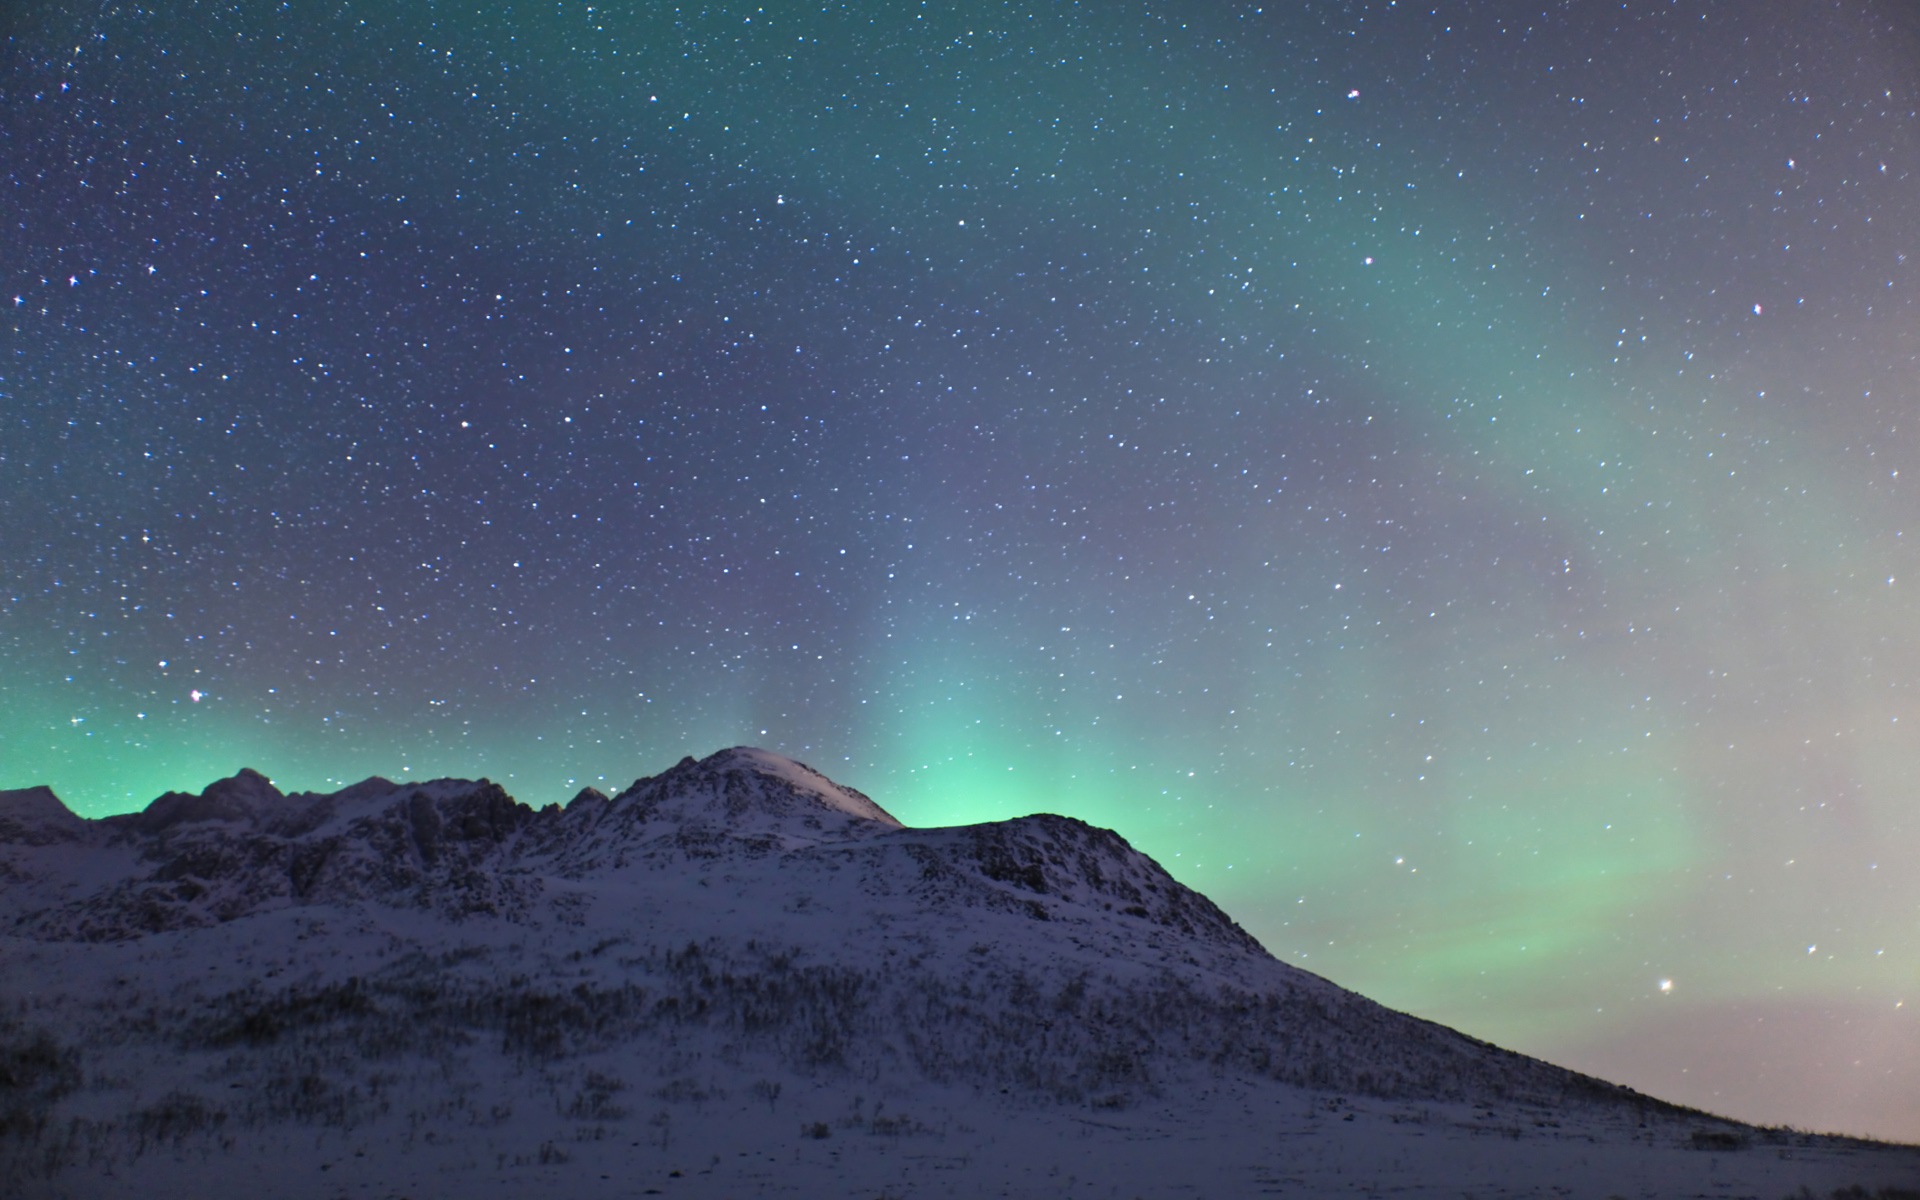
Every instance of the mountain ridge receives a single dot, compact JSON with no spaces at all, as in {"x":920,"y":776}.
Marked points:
{"x":734,"y":925}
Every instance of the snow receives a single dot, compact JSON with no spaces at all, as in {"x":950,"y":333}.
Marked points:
{"x":803,"y":780}
{"x":737,"y":978}
{"x":36,"y":817}
{"x":746,"y":792}
{"x":242,"y":797}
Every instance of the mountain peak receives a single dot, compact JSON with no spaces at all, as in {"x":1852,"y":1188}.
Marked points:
{"x":241,"y":796}
{"x":753,"y":793}
{"x":36,"y":817}
{"x":800,"y":777}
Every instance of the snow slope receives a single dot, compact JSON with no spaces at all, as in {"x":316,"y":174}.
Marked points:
{"x":737,"y":978}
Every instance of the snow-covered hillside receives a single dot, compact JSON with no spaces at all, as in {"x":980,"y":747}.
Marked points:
{"x":736,"y":978}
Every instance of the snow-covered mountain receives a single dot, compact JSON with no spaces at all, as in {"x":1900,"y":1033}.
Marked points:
{"x":735,"y":978}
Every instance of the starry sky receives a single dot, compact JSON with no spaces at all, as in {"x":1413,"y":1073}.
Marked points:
{"x":1432,"y":477}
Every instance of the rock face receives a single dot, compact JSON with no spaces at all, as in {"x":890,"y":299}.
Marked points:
{"x":35,"y":817}
{"x":244,"y":960}
{"x":1044,"y":951}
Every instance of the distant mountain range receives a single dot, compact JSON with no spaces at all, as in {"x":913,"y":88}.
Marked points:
{"x":736,"y":978}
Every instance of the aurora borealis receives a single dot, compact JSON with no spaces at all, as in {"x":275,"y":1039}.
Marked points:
{"x":1437,"y":478}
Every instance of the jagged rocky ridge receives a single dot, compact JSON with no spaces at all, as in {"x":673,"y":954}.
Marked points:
{"x":1058,"y":917}
{"x":732,"y":923}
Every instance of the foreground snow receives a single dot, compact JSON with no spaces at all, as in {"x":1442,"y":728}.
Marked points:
{"x":737,"y":979}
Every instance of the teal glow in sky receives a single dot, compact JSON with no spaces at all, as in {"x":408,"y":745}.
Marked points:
{"x":1437,"y":479}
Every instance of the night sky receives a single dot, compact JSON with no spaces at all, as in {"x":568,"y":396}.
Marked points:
{"x":1432,"y":478}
